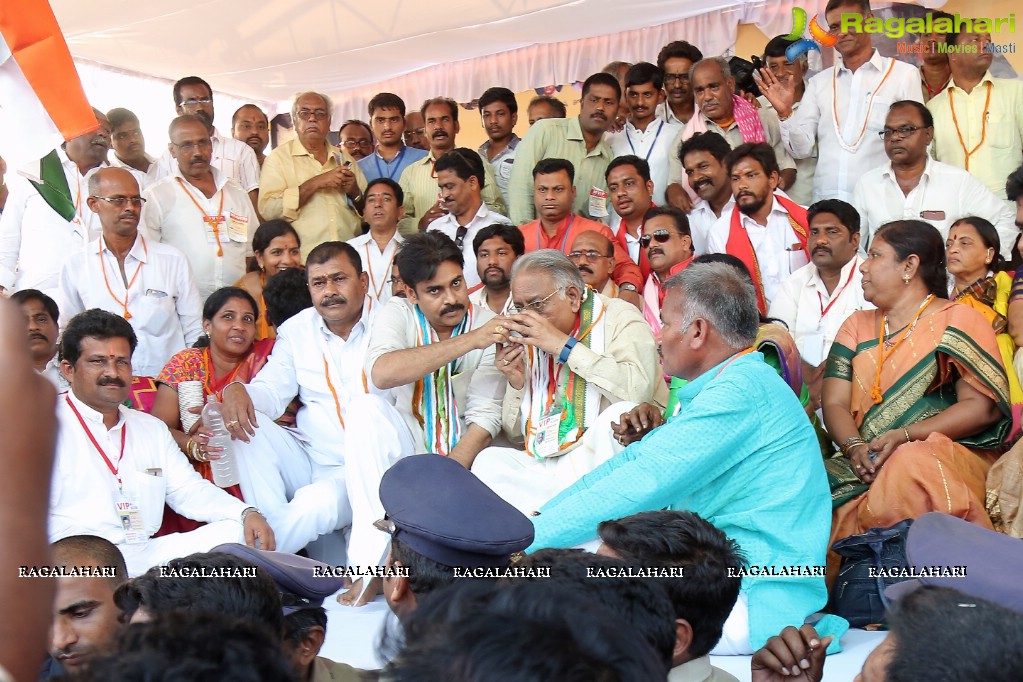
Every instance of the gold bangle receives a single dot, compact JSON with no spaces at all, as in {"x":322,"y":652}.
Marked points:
{"x":787,"y":117}
{"x":190,"y":448}
{"x":906,"y":432}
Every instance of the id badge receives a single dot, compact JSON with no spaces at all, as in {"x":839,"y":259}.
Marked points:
{"x":238,"y":227}
{"x":211,"y":235}
{"x":546,"y":443}
{"x":598,"y":202}
{"x":130,"y":515}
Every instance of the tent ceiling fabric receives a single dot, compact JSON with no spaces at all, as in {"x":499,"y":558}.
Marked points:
{"x":269,"y":50}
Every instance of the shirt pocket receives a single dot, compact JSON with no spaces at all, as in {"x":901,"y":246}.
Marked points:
{"x":878,"y":113}
{"x":1001,"y":131}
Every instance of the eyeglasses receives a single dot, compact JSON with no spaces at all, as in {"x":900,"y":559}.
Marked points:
{"x":680,"y":77}
{"x":588,"y":255}
{"x":536,"y":306}
{"x":355,"y":144}
{"x":121,"y":202}
{"x":189,"y":146}
{"x":410,"y":134}
{"x":197,"y":100}
{"x":660,"y":236}
{"x":308,"y":115}
{"x":902,"y":132}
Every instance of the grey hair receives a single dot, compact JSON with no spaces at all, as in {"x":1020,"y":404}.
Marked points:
{"x":726,"y":70}
{"x":328,"y":103}
{"x":561,"y":269}
{"x":719,"y":293}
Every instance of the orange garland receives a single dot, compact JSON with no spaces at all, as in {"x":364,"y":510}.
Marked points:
{"x":875,"y":391}
{"x":983,"y":124}
{"x":870,"y":105}
{"x":103,"y":269}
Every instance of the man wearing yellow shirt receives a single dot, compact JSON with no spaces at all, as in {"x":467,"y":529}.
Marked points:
{"x":419,"y":179}
{"x":978,"y":120}
{"x":312,"y":184}
{"x":579,"y":140}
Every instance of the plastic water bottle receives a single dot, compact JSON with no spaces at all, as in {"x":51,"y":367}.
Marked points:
{"x":225,"y":471}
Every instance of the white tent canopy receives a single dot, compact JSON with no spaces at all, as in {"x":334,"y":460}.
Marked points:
{"x":266,"y":51}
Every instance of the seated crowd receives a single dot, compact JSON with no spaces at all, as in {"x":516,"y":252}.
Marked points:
{"x":669,"y":333}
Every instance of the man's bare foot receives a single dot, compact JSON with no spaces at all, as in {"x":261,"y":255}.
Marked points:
{"x":357,"y":596}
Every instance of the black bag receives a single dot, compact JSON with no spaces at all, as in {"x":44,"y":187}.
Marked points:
{"x":857,"y":596}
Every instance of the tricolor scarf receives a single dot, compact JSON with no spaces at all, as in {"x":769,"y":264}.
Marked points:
{"x":739,"y":244}
{"x":580,"y":403}
{"x":746,"y":118}
{"x":433,"y":399}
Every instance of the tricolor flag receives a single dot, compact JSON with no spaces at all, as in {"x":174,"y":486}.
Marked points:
{"x":42,"y":102}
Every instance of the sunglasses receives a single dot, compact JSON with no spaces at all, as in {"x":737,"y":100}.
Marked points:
{"x":660,"y":236}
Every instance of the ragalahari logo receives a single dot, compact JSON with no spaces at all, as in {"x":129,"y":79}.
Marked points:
{"x":819,"y":36}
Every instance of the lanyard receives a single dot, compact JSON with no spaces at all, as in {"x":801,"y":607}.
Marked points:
{"x":210,"y":380}
{"x":387,"y":164}
{"x":564,"y":240}
{"x":824,"y":310}
{"x":110,"y":465}
{"x":212,"y":221}
{"x":333,"y":391}
{"x":733,"y":359}
{"x":652,"y":144}
{"x":983,"y":125}
{"x":378,"y":291}
{"x":129,"y":283}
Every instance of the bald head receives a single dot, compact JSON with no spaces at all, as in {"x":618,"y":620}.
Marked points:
{"x":89,"y":550}
{"x":104,"y":176}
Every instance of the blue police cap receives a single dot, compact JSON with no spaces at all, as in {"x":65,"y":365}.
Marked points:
{"x":303,"y":583}
{"x":442,"y":511}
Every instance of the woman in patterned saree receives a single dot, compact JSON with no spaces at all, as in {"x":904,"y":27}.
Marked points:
{"x":914,"y":392}
{"x":979,"y":280}
{"x":276,"y":247}
{"x":229,"y":319}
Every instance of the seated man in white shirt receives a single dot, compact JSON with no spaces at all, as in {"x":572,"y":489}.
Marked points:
{"x":147,"y":283}
{"x":497,"y":248}
{"x":815,"y":300}
{"x":765,"y":229}
{"x":384,"y":199}
{"x":703,"y":158}
{"x":297,"y":476}
{"x":41,"y":314}
{"x":200,"y":211}
{"x":461,"y":177}
{"x":116,"y":467}
{"x":233,"y":158}
{"x":912,"y":185}
{"x":594,"y":255}
{"x":574,"y":361}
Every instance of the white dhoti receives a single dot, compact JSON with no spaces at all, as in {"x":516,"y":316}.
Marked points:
{"x":527,"y":483}
{"x":377,"y":437}
{"x":300,"y":498}
{"x":140,"y":558}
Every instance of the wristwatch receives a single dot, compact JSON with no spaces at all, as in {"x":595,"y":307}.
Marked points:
{"x":628,"y":286}
{"x":249,"y":510}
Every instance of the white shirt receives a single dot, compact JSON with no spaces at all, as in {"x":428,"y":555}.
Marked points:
{"x":802,"y":298}
{"x":449,"y":226}
{"x":478,"y":385}
{"x":170,"y":215}
{"x":296,"y":367}
{"x":165,"y":309}
{"x":943,"y":195}
{"x":83,"y":490}
{"x":144,"y":179}
{"x":773,"y":245}
{"x":813,"y":122}
{"x":652,"y":144}
{"x":377,"y":263}
{"x":52,"y":374}
{"x":232,"y":157}
{"x":502,"y":164}
{"x":479,"y":298}
{"x":31,"y":258}
{"x":702,"y":221}
{"x":801,"y":190}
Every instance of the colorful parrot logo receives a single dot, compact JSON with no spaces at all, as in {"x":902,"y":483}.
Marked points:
{"x":819,"y":36}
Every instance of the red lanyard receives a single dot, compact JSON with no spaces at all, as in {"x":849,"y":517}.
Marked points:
{"x":824,"y":310}
{"x":110,"y":465}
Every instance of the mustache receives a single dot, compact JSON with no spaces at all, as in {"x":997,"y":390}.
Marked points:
{"x":37,"y":335}
{"x":822,"y":249}
{"x":585,"y":268}
{"x":110,"y":381}
{"x":454,"y":308}
{"x":656,"y":251}
{"x":438,"y":134}
{"x":334,"y":300}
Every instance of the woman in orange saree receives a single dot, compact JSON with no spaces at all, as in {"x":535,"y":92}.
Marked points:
{"x":915,"y":393}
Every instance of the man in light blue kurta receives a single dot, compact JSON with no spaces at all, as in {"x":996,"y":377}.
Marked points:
{"x":741,"y":453}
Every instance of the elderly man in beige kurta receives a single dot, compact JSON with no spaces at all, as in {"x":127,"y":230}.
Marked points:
{"x":607,"y":366}
{"x":312,"y":184}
